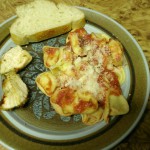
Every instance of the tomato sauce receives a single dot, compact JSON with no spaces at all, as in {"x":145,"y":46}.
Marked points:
{"x":82,"y":106}
{"x":65,"y":97}
{"x":81,"y":31}
{"x":107,"y":77}
{"x":51,"y":51}
{"x":114,"y":83}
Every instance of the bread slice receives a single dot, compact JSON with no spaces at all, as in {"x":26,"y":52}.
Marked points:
{"x":14,"y":59}
{"x":43,"y":19}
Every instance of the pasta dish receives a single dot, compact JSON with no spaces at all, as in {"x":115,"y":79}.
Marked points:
{"x":85,"y":77}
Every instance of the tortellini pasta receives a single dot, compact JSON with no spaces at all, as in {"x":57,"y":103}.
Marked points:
{"x":47,"y":83}
{"x":84,"y":77}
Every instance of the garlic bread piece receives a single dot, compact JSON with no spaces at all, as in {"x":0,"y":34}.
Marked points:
{"x":14,"y":59}
{"x":15,"y":92}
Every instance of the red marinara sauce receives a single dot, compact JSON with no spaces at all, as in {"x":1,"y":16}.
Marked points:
{"x":51,"y":51}
{"x":109,"y":80}
{"x":82,"y":106}
{"x":65,"y":97}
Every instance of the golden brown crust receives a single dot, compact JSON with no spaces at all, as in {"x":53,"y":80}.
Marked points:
{"x":40,"y":36}
{"x":18,"y":40}
{"x":79,"y":23}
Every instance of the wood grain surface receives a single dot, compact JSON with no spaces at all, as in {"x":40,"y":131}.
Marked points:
{"x":134,"y":15}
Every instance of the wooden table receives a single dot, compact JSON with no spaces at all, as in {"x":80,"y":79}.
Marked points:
{"x":134,"y":15}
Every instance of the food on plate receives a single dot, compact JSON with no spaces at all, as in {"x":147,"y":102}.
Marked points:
{"x":14,"y":59}
{"x":118,"y":105}
{"x":51,"y":56}
{"x":68,"y":101}
{"x":90,"y":119}
{"x":116,"y":51}
{"x":15,"y":91}
{"x":47,"y":82}
{"x":43,"y":19}
{"x":85,"y":77}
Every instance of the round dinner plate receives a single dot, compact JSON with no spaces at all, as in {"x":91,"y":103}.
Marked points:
{"x":37,"y":126}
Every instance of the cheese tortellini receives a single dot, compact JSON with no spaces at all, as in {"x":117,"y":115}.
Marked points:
{"x":84,"y":77}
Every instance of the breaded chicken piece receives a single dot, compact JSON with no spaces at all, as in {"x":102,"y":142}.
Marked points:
{"x":14,"y":59}
{"x":15,"y":92}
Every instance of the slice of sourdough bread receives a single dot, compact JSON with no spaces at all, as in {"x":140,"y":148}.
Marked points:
{"x":43,"y":19}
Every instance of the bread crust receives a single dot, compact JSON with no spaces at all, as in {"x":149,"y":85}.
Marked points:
{"x":49,"y":33}
{"x":79,"y":23}
{"x":40,"y":36}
